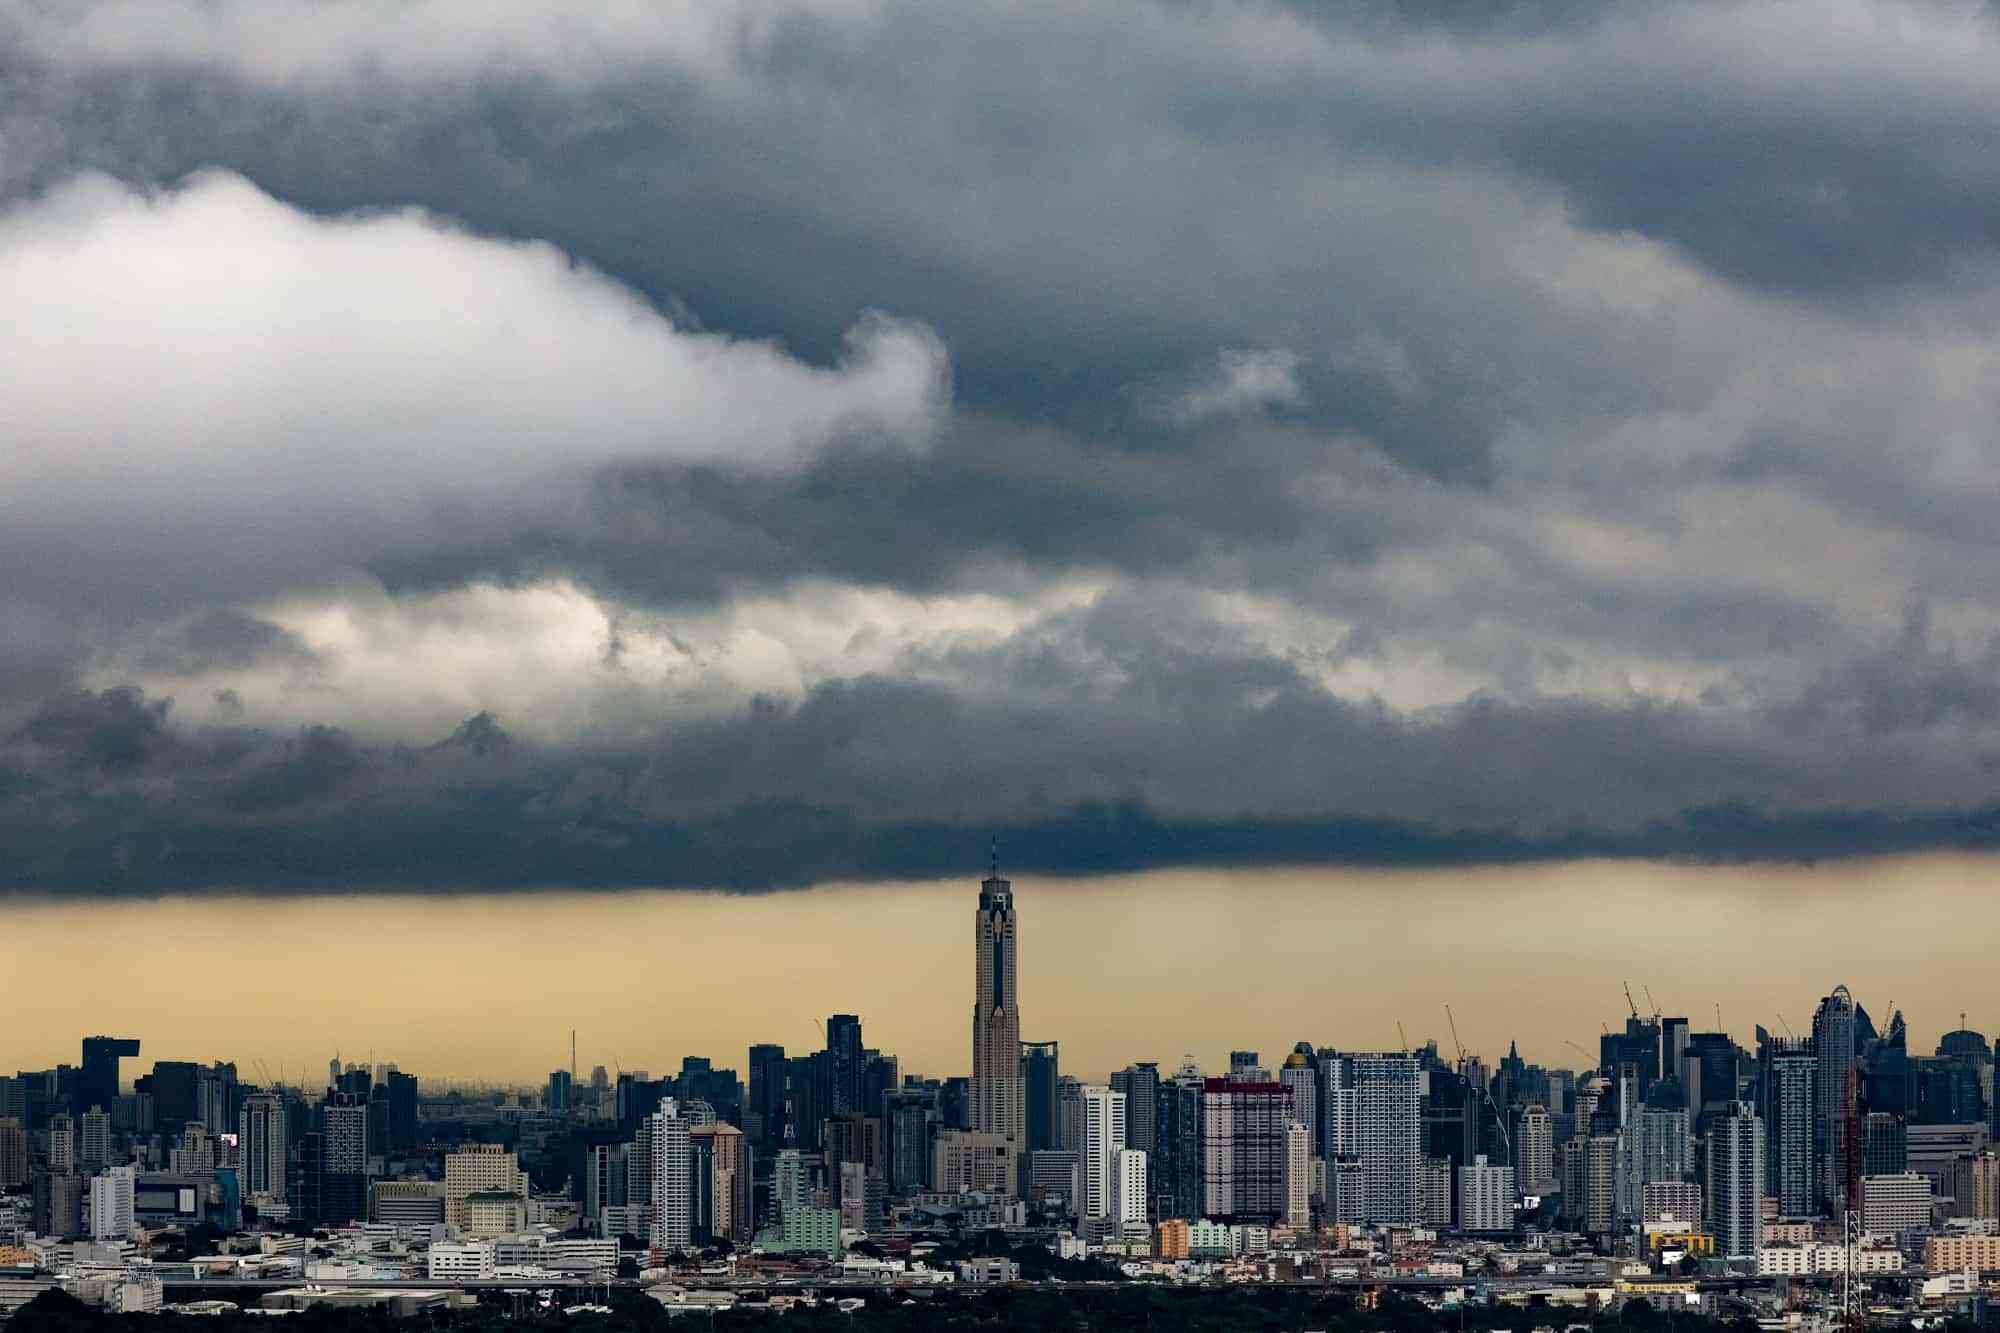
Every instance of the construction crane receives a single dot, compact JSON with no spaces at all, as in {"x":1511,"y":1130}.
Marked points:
{"x":1787,"y":1027}
{"x":1401,"y":1035}
{"x":1458,"y":1045}
{"x":1629,"y":1003}
{"x":1651,"y":1003}
{"x":1578,"y":1049}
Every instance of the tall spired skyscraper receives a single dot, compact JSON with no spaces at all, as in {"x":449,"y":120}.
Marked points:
{"x":999,"y":1103}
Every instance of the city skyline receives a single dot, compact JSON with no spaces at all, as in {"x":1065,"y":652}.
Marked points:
{"x":1673,"y":1151}
{"x":1099,"y":1008}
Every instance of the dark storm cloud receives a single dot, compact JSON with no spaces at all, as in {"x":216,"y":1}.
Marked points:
{"x":1123,"y":743}
{"x":1571,"y":396}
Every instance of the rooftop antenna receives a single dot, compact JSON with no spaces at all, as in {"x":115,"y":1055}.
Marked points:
{"x":996,"y":856}
{"x":572,"y":1055}
{"x":1718,"y":1018}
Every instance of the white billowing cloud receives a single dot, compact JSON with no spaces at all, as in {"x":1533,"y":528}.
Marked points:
{"x":1242,"y":380}
{"x":210,"y":376}
{"x":558,"y":662}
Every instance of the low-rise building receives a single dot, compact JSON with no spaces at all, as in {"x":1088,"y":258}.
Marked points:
{"x":1894,"y":1204}
{"x":1815,"y":1258}
{"x":491,"y":1213}
{"x":1951,"y":1254}
{"x":988,"y":1271}
{"x":461,"y":1261}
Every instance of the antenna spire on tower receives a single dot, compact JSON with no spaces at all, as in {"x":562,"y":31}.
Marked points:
{"x":996,"y":856}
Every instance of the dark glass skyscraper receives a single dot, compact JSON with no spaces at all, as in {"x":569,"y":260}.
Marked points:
{"x":844,"y":1064}
{"x":173,"y":1088}
{"x":1141,"y":1085}
{"x":1708,"y":1077}
{"x":97,"y":1081}
{"x":1040,"y":1067}
{"x":767,"y":1096}
{"x":1174,"y":1173}
{"x":402,"y":1111}
{"x":1840,"y":1031}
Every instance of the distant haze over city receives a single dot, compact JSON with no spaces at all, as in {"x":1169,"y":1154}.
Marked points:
{"x":1146,"y":967}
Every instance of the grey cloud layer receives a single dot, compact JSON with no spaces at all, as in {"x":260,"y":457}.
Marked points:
{"x":1603,"y":385}
{"x":1192,"y":756}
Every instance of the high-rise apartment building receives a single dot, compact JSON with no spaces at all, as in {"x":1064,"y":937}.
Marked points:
{"x":1104,"y":1128}
{"x":999,"y":1103}
{"x":343,"y":1188}
{"x":1069,"y":1115}
{"x":93,"y":1149}
{"x":1602,"y":1160}
{"x":1388,"y":1133}
{"x":1243,"y":1149}
{"x":1735,"y":1182}
{"x":261,"y":1146}
{"x":1130,"y":1192}
{"x":1665,"y":1151}
{"x":110,"y":1202}
{"x":62,"y":1145}
{"x":1981,"y":1195}
{"x":59,"y":1204}
{"x":1485,"y":1196}
{"x":1434,"y":1192}
{"x":1299,"y":1159}
{"x":909,"y":1120}
{"x":1787,"y":1086}
{"x":721,"y":1163}
{"x":1336,"y":1105}
{"x":1535,"y":1150}
{"x":606,"y":1179}
{"x":1301,"y":1074}
{"x":672,"y":1179}
{"x":13,"y":1153}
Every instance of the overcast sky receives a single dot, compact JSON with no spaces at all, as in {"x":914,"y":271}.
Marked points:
{"x":448,"y":444}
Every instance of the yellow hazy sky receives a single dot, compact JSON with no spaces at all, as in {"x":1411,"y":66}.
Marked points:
{"x":1140,"y":967}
